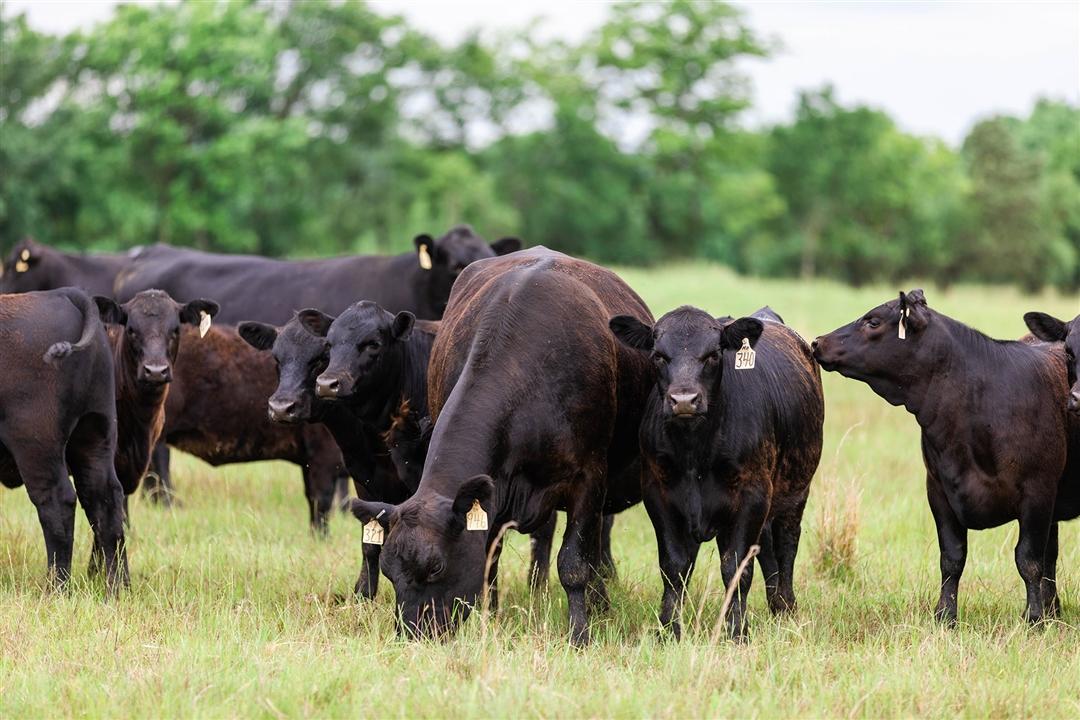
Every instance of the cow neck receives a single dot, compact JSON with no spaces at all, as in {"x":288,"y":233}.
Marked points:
{"x":136,"y":405}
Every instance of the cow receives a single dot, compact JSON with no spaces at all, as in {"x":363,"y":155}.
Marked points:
{"x":33,"y":266}
{"x":216,"y":411}
{"x":269,"y":290}
{"x":1049,"y":329}
{"x":979,"y":402}
{"x":58,"y":415}
{"x":728,"y":448}
{"x":536,"y":408}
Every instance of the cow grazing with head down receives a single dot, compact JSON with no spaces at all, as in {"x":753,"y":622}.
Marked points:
{"x":58,"y":415}
{"x":536,"y":409}
{"x":1049,"y":329}
{"x":33,"y":266}
{"x":728,"y":450}
{"x":979,"y":403}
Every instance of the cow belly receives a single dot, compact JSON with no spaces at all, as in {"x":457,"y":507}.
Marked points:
{"x":223,"y":450}
{"x":9,"y":472}
{"x":978,"y":507}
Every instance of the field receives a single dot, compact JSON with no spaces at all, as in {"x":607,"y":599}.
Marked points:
{"x":235,"y":610}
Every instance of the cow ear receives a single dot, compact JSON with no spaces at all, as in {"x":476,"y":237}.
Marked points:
{"x":366,"y":511}
{"x":192,"y":312}
{"x":478,"y":488}
{"x":425,"y":249}
{"x":258,"y":335}
{"x":914,"y":310}
{"x":506,"y":245}
{"x":732,"y":335}
{"x":632,"y":332}
{"x":315,"y":321}
{"x":1046,"y":327}
{"x":402,"y":326}
{"x":110,"y":311}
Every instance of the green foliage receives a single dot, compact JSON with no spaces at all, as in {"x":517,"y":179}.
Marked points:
{"x":322,"y":127}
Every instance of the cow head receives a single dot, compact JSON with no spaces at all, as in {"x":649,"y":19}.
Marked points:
{"x":29,"y":267}
{"x":1049,"y":329}
{"x":365,"y":346}
{"x":300,"y":351}
{"x":883,"y":348}
{"x":435,"y":564}
{"x":443,"y":260}
{"x":686,"y":347}
{"x":151,"y":336}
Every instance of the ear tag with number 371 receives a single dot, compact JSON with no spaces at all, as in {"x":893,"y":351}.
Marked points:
{"x":373,"y":531}
{"x":204,"y":323}
{"x":476,"y":518}
{"x":901,"y":331}
{"x":745,"y":357}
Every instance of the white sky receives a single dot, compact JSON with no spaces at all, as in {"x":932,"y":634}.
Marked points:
{"x":936,"y":67}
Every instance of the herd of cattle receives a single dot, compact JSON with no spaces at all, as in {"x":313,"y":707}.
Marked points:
{"x":468,"y":385}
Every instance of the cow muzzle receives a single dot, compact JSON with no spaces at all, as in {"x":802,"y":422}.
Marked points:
{"x":1074,"y":401}
{"x":155,"y":374}
{"x":283,"y":411}
{"x":328,"y":387}
{"x":687,"y":404}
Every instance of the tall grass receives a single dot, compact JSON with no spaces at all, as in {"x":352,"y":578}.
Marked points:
{"x":235,"y":610}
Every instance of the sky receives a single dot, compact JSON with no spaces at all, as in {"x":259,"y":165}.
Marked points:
{"x":936,"y":67}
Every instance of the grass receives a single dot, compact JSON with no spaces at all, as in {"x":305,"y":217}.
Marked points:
{"x":235,"y":609}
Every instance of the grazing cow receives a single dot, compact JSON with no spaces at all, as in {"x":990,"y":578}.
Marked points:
{"x":58,"y":415}
{"x":979,"y":403}
{"x":536,"y":409}
{"x":269,"y":290}
{"x":728,"y":450}
{"x":33,"y":266}
{"x":217,"y":411}
{"x":1049,"y":329}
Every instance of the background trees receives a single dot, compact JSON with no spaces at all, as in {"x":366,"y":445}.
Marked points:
{"x":319,"y":127}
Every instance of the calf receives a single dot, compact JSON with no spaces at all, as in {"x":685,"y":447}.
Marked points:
{"x":536,"y":409}
{"x":58,"y":415}
{"x":979,"y":403}
{"x":216,"y":410}
{"x":728,"y":451}
{"x":1049,"y":329}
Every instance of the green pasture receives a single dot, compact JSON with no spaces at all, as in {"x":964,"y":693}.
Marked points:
{"x":236,"y":610}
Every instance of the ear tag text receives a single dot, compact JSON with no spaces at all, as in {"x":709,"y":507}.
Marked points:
{"x":373,"y":531}
{"x":901,"y":330}
{"x":204,"y":323}
{"x":745,"y":357}
{"x":476,"y":518}
{"x":425,"y":258}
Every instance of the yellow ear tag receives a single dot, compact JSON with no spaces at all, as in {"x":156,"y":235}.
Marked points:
{"x":24,"y":255}
{"x":21,"y":266}
{"x":476,"y":518}
{"x":745,"y":357}
{"x":425,"y":258}
{"x":373,"y":532}
{"x":204,"y":323}
{"x":901,"y":331}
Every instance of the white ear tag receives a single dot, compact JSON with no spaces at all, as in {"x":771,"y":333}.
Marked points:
{"x":373,"y":532}
{"x":745,"y":357}
{"x":901,"y":331}
{"x":476,"y":518}
{"x":425,"y":258}
{"x":204,"y":323}
{"x":24,"y":255}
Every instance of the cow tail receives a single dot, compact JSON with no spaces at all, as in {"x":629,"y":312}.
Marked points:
{"x":91,"y":320}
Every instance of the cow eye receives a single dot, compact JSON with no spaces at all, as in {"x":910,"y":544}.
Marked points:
{"x":660,"y":358}
{"x":873,"y":322}
{"x":435,"y":572}
{"x":712,"y":358}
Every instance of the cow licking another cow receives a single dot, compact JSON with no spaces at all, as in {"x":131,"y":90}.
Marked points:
{"x":546,"y":387}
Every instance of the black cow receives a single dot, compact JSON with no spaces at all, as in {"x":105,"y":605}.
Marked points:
{"x":58,"y":414}
{"x":1050,"y":329}
{"x":728,"y":450}
{"x":33,"y":266}
{"x":269,"y":290}
{"x":536,"y":409}
{"x":980,"y":403}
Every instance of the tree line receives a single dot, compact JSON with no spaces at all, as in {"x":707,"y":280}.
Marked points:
{"x":318,"y":127}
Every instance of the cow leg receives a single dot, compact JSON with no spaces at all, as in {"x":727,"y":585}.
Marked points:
{"x":342,"y":493}
{"x":770,"y":568}
{"x":786,"y":531}
{"x":677,"y":551}
{"x":1030,"y":556}
{"x":103,"y":501}
{"x":47,"y":484}
{"x":607,"y":560}
{"x":952,"y":546}
{"x":753,"y":509}
{"x":579,"y":556}
{"x":320,"y":483}
{"x":1049,"y":583}
{"x":368,"y":583}
{"x":157,"y":485}
{"x":540,"y":562}
{"x":493,"y":574}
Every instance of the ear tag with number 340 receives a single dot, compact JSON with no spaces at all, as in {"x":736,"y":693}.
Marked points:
{"x":204,"y":323}
{"x":476,"y":518}
{"x":373,"y":531}
{"x":745,"y":357}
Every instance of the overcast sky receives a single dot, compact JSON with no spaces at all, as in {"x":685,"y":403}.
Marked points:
{"x":936,"y":67}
